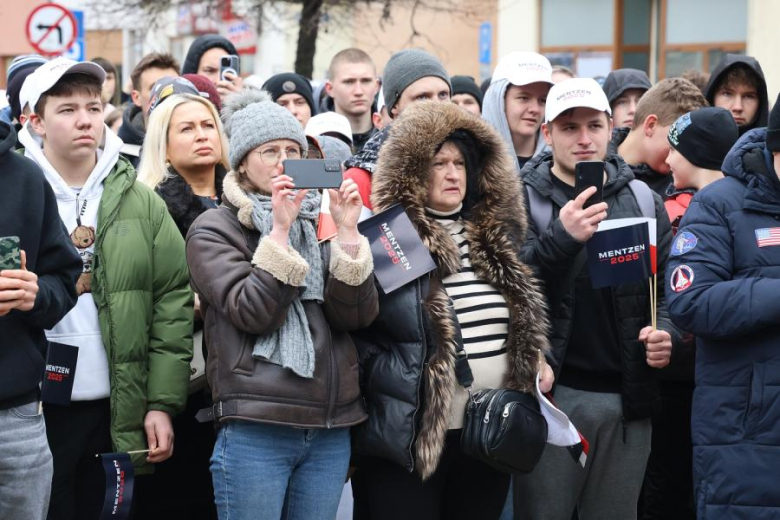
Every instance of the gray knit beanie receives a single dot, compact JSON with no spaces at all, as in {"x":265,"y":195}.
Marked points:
{"x":251,"y":119}
{"x":404,"y":68}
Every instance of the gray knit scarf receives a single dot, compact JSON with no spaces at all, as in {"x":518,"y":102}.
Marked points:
{"x":291,"y":345}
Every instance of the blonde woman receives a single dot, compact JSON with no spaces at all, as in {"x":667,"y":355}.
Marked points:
{"x":185,"y":153}
{"x":184,"y":158}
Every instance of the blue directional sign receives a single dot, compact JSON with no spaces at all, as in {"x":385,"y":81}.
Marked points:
{"x":78,"y":50}
{"x":485,"y":43}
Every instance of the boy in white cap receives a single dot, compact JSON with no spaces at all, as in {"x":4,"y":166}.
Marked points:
{"x":514,"y":103}
{"x":603,"y":347}
{"x":132,"y":323}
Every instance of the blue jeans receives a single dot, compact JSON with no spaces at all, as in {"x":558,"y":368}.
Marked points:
{"x":271,"y":472}
{"x":25,"y":464}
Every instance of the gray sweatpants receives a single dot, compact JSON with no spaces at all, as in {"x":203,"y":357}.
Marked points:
{"x":609,"y":485}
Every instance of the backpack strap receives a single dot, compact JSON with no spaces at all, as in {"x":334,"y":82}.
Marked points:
{"x":540,"y":207}
{"x":644,"y":197}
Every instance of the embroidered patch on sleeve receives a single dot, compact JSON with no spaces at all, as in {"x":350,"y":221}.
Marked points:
{"x":766,"y":237}
{"x":683,"y":243}
{"x":682,"y":278}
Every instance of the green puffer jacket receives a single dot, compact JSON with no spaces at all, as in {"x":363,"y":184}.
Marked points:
{"x":140,"y":283}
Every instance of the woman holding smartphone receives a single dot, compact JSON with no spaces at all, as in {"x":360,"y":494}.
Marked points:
{"x":277,"y":308}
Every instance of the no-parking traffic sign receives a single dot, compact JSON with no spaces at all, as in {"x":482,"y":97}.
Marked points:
{"x":51,"y":29}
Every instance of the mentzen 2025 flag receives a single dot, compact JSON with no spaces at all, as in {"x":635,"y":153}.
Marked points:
{"x":399,"y":254}
{"x":621,"y":251}
{"x":119,"y":486}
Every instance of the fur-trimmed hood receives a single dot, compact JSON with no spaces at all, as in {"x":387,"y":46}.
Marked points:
{"x":495,"y":227}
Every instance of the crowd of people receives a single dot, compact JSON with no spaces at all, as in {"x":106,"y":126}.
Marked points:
{"x":252,"y":366}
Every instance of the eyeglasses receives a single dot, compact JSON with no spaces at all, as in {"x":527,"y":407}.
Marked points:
{"x":272,"y":156}
{"x":313,"y":153}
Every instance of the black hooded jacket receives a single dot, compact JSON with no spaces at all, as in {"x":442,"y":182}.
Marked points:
{"x":132,"y":133}
{"x":621,"y":80}
{"x":729,"y":61}
{"x":553,"y":252}
{"x":199,"y":48}
{"x":29,"y":211}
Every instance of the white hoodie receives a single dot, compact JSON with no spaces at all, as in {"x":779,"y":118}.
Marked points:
{"x":80,"y":327}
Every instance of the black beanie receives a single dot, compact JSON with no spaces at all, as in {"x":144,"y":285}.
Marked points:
{"x":773,"y":128}
{"x":466,"y":85}
{"x":290,"y":83}
{"x":704,"y":136}
{"x":15,"y":88}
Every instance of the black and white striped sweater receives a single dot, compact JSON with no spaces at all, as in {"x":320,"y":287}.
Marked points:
{"x":483,"y":317}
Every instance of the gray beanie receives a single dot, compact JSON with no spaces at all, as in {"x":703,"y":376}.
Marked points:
{"x":251,"y":119}
{"x":404,"y":68}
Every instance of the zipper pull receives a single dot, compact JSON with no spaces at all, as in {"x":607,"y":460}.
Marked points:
{"x":506,"y":411}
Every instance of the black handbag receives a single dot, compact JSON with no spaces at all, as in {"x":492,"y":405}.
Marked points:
{"x":504,"y":429}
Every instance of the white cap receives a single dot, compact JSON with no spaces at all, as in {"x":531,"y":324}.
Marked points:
{"x":575,"y":93}
{"x":327,"y":123}
{"x":523,"y":68}
{"x":380,"y":100}
{"x":48,"y":74}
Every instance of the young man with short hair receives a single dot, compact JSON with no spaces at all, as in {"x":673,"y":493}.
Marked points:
{"x":133,"y":320}
{"x":145,"y":74}
{"x":603,"y":346}
{"x":624,"y":88}
{"x":738,"y":85}
{"x":514,"y":103}
{"x":36,"y":291}
{"x":644,"y":146}
{"x":352,"y":85}
{"x":410,"y":75}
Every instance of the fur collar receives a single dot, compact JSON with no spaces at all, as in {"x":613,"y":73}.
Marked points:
{"x":495,"y":227}
{"x":235,"y":196}
{"x":183,"y":205}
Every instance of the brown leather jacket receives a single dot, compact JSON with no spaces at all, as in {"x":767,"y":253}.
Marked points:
{"x":246,"y":285}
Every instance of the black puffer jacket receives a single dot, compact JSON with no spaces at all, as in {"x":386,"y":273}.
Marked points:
{"x":553,"y":253}
{"x":409,"y":354}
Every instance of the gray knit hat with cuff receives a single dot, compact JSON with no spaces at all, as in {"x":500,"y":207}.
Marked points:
{"x":404,"y":68}
{"x":251,"y":118}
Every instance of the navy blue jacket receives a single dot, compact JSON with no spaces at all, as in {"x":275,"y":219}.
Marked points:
{"x":723,"y":285}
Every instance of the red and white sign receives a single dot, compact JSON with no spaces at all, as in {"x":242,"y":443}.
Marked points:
{"x":242,"y":35}
{"x":51,"y":29}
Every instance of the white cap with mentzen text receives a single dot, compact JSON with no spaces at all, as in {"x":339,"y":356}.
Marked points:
{"x":575,"y":93}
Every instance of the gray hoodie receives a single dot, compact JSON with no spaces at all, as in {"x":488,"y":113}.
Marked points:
{"x":494,"y":112}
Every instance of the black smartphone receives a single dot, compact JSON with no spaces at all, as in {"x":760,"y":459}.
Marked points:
{"x":314,"y":173}
{"x":229,"y":63}
{"x":587,"y":174}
